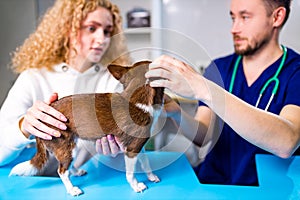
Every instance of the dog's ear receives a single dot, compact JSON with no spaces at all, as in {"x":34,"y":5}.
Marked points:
{"x":143,"y":62}
{"x":117,"y":70}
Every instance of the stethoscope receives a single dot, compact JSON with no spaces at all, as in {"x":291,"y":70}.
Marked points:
{"x":274,"y":78}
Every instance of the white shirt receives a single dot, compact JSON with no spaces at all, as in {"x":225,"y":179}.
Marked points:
{"x":40,"y":84}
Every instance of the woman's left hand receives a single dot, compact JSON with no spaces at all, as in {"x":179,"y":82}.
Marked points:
{"x":109,"y":145}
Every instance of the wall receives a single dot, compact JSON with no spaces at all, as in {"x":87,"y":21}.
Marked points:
{"x":197,"y":29}
{"x":17,"y":20}
{"x":291,"y":32}
{"x":204,"y":27}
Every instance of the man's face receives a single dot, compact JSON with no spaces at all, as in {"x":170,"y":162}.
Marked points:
{"x":251,"y":26}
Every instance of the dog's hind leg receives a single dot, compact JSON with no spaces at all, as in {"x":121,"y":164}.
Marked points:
{"x":83,"y":152}
{"x":130,"y":168}
{"x":65,"y":158}
{"x":143,"y":158}
{"x":35,"y":165}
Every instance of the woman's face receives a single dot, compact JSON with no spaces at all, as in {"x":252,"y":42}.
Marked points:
{"x":93,"y":39}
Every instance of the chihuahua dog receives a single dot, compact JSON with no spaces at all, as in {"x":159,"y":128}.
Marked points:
{"x":128,"y":116}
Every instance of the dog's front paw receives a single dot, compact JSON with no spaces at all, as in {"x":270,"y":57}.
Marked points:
{"x":152,"y":177}
{"x":75,"y":191}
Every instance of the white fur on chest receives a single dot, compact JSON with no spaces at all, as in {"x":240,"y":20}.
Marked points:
{"x":155,"y":113}
{"x":145,"y":108}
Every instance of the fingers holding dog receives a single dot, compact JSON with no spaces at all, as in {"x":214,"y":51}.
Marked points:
{"x":35,"y":120}
{"x":175,"y":75}
{"x":109,"y":145}
{"x":167,"y":69}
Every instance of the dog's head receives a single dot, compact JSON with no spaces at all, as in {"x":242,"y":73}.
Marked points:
{"x":136,"y":86}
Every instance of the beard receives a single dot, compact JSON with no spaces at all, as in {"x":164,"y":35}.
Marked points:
{"x":249,"y":49}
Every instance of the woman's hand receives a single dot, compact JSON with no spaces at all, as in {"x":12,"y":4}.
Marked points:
{"x":35,"y":120}
{"x":109,"y":145}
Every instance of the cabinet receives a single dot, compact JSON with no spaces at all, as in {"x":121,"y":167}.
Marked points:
{"x":143,"y":43}
{"x":139,"y":42}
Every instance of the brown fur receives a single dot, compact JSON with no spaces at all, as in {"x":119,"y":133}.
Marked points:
{"x":92,"y":116}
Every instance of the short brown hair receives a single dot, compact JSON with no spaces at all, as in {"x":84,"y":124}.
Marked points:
{"x":271,"y":5}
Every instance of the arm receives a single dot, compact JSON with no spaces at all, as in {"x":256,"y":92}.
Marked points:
{"x":278,"y":134}
{"x":196,"y":127}
{"x":14,"y":138}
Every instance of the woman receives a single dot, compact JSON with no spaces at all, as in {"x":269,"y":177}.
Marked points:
{"x":67,"y":54}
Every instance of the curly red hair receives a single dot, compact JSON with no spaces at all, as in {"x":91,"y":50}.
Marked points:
{"x":49,"y":44}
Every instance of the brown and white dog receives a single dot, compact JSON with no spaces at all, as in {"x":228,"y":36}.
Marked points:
{"x":128,"y":115}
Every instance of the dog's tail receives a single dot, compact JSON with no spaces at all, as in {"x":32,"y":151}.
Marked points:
{"x":35,"y":165}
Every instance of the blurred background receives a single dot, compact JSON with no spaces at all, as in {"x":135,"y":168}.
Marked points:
{"x":203,"y":23}
{"x":194,"y":30}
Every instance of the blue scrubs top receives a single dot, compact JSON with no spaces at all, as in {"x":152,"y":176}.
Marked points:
{"x":232,"y":159}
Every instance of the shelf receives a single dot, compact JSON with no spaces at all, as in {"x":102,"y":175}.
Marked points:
{"x":144,"y":42}
{"x":142,"y":30}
